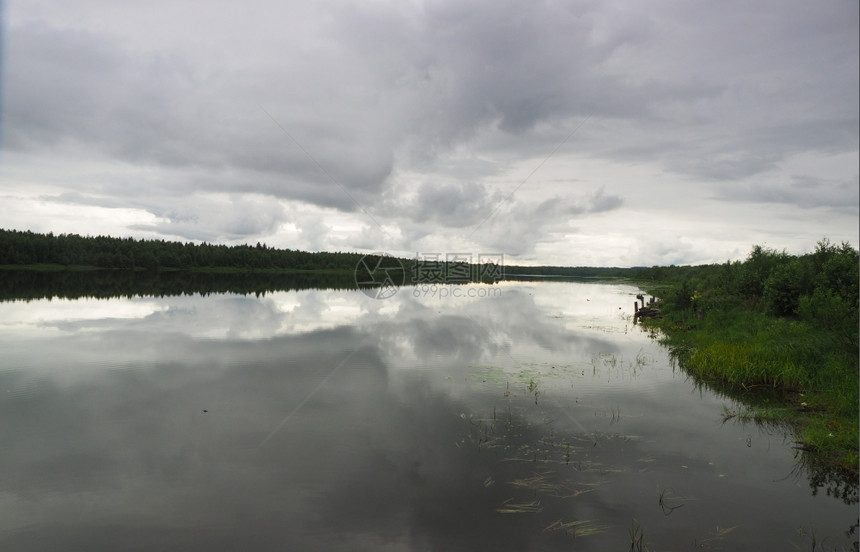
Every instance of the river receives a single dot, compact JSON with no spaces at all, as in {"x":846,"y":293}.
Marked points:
{"x":518,"y":416}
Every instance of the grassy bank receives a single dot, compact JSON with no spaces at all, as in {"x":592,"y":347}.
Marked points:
{"x":811,"y":381}
{"x":789,"y":351}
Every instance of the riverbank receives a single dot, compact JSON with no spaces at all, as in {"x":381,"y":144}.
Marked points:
{"x":784,"y":371}
{"x":780,"y":333}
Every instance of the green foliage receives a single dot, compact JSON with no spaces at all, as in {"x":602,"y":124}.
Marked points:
{"x":783,"y":287}
{"x":832,"y":312}
{"x":759,"y":265}
{"x":28,"y":248}
{"x":778,"y":321}
{"x":682,"y":296}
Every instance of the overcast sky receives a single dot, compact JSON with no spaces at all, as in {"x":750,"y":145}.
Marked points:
{"x":572,"y":132}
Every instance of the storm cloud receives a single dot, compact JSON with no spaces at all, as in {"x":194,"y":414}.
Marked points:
{"x":445,"y":126}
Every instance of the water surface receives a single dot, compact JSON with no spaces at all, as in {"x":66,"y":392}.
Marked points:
{"x":529,"y":416}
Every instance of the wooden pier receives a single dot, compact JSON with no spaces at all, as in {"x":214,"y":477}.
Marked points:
{"x":646,"y":311}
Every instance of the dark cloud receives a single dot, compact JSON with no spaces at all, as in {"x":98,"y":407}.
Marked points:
{"x":78,"y":87}
{"x":419,"y":114}
{"x":471,"y":210}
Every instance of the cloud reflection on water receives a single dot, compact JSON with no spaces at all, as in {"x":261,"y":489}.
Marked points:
{"x":144,"y":430}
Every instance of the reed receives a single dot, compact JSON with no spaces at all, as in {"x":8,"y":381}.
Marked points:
{"x":637,"y":537}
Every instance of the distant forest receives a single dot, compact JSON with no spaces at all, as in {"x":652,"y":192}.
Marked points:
{"x":779,"y":277}
{"x":30,"y":248}
{"x":20,"y":249}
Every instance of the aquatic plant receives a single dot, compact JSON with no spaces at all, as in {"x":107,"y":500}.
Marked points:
{"x":663,"y":501}
{"x":719,"y":534}
{"x":576,"y":529}
{"x":637,"y":537}
{"x":509,"y":507}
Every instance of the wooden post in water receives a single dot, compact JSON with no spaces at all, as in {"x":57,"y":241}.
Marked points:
{"x":635,"y":310}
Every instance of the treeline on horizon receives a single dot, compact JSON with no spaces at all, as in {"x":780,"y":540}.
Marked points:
{"x":783,"y":276}
{"x":27,"y":248}
{"x":31,"y":248}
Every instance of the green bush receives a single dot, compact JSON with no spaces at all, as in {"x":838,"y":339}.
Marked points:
{"x":783,"y":287}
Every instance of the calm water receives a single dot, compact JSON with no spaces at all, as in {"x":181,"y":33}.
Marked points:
{"x":528,"y":417}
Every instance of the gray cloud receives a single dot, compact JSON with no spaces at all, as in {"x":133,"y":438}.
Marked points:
{"x":450,"y":204}
{"x":71,"y":86}
{"x":421,"y":113}
{"x":517,"y":227}
{"x":803,"y":191}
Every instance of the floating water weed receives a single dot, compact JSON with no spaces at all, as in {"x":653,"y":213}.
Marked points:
{"x":609,"y":359}
{"x":642,"y":359}
{"x":537,"y":482}
{"x":542,"y":483}
{"x":576,"y":529}
{"x":663,"y":500}
{"x":509,"y":507}
{"x":719,"y":533}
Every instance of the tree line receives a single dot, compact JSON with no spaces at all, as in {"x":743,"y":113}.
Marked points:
{"x":31,"y":248}
{"x":821,"y":287}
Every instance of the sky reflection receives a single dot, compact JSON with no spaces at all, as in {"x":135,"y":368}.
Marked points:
{"x":326,"y":420}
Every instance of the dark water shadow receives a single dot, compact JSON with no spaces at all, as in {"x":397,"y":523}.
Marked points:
{"x":836,"y":482}
{"x":105,"y":284}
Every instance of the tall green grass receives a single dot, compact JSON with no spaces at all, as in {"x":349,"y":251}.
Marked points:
{"x":752,"y":349}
